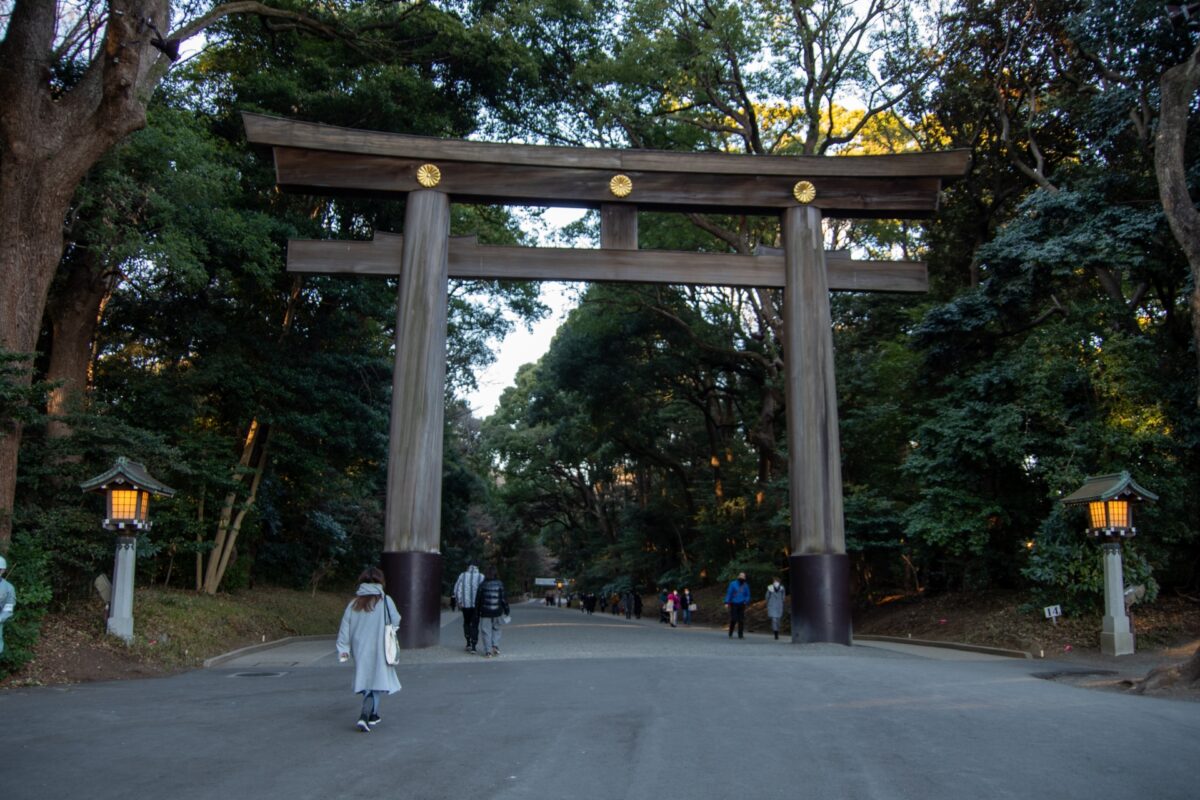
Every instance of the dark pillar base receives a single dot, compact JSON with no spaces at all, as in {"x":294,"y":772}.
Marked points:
{"x":820,"y":598}
{"x":414,"y":581}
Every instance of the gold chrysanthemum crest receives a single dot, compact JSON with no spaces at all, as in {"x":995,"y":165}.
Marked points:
{"x":804,"y":192}
{"x":429,"y":175}
{"x":620,"y":186}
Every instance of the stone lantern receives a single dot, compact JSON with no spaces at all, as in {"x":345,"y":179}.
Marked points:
{"x":127,"y":489}
{"x":1110,"y":500}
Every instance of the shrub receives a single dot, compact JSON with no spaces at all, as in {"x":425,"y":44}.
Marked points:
{"x":29,"y":574}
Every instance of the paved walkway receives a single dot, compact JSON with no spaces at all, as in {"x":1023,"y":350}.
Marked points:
{"x":597,"y":707}
{"x":311,"y":651}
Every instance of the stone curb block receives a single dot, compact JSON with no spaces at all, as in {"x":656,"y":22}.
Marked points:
{"x":971,"y":648}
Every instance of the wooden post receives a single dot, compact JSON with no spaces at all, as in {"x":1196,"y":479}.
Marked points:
{"x":618,"y":227}
{"x":412,"y":561}
{"x":819,"y":566}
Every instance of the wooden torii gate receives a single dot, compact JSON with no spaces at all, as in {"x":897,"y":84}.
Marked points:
{"x":316,"y":159}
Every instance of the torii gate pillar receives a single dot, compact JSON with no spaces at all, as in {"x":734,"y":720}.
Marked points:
{"x":412,"y":559}
{"x":819,"y":566}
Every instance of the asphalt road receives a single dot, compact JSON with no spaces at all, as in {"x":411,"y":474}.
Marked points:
{"x":599,"y":708}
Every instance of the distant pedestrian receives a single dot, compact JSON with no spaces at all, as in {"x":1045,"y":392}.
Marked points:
{"x":672,"y":607}
{"x":8,"y":600}
{"x":663,"y":615}
{"x":464,"y":594}
{"x":637,"y":604}
{"x":627,"y":602}
{"x":361,"y":636}
{"x":775,"y":595}
{"x":689,"y":605}
{"x":453,"y":603}
{"x":737,"y":597}
{"x":492,"y":604}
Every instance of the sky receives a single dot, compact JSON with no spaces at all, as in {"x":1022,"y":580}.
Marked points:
{"x":523,"y":346}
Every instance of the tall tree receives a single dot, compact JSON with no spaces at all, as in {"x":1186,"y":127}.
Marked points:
{"x":76,"y":79}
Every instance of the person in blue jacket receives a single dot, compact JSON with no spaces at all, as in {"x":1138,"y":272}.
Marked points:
{"x":737,"y":597}
{"x":8,"y":600}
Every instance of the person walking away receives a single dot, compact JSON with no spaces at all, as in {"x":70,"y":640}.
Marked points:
{"x":689,"y":605}
{"x":775,"y":595}
{"x":663,"y":616}
{"x":637,"y":604}
{"x":492,"y":603}
{"x":673,"y":606}
{"x":627,"y":601}
{"x":361,"y":636}
{"x":737,"y":597}
{"x":464,"y":594}
{"x":8,"y":600}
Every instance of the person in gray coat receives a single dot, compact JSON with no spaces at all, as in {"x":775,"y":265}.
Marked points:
{"x":775,"y":595}
{"x":361,"y":636}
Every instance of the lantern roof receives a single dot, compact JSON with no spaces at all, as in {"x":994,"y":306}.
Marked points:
{"x":1108,"y":487}
{"x":125,"y":471}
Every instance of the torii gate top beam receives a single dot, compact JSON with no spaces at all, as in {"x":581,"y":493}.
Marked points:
{"x":324,"y":159}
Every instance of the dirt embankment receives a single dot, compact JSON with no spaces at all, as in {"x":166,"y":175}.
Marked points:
{"x":173,"y":631}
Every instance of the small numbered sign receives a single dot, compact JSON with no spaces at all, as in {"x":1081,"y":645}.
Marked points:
{"x":1053,"y":611}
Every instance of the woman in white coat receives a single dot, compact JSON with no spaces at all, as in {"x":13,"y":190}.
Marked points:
{"x":361,"y":636}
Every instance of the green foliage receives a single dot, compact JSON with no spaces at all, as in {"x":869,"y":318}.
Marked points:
{"x":29,"y":566}
{"x":1066,"y":568}
{"x":20,"y":398}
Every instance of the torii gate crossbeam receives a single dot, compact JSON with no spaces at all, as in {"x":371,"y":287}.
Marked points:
{"x":432,"y":173}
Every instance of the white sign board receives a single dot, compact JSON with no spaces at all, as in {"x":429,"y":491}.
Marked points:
{"x":545,"y":582}
{"x":1053,"y":611}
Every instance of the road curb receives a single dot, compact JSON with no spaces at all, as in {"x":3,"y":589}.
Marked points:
{"x":970,"y":648}
{"x":217,"y":661}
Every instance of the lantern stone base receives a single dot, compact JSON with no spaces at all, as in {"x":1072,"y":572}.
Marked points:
{"x":122,"y":628}
{"x":120,"y":609}
{"x":414,"y":582}
{"x":1116,"y":643}
{"x":1116,"y":638}
{"x":820,"y":585}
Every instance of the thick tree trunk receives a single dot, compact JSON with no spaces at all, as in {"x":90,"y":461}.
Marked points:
{"x":74,"y":317}
{"x":32,"y":206}
{"x":1185,"y":674}
{"x":1179,"y":85}
{"x":48,"y":142}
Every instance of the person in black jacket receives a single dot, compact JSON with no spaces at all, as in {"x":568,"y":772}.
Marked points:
{"x":492,"y":603}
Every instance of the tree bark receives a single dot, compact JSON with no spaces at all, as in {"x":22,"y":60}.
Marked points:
{"x":254,"y":448}
{"x":74,"y":317}
{"x":220,"y":558}
{"x":1185,"y":674}
{"x":1179,"y":85}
